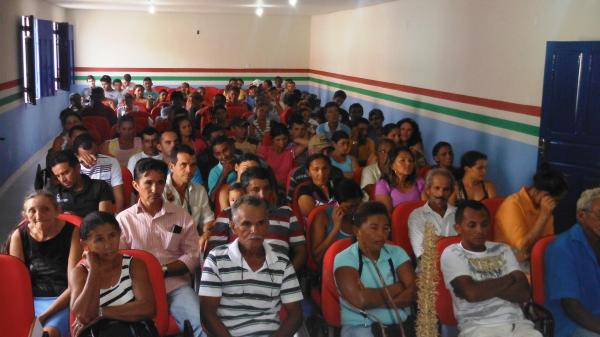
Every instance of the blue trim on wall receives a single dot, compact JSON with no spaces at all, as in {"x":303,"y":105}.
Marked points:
{"x":511,"y":164}
{"x":27,"y":128}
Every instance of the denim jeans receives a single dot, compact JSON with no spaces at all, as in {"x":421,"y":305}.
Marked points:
{"x":184,"y":304}
{"x":356,"y":331}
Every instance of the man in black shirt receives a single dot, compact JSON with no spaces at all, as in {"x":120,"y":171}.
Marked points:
{"x":76,"y":193}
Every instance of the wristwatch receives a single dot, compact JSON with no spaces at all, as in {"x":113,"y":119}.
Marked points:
{"x":164,"y":269}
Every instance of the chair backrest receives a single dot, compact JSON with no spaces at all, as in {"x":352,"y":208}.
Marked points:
{"x":422,"y":172}
{"x":400,"y":224}
{"x":357,"y":175}
{"x":330,"y":301}
{"x":16,"y":306}
{"x":71,"y":218}
{"x":162,"y":125}
{"x":100,"y":124}
{"x":310,"y":261}
{"x":492,"y":205}
{"x":538,"y":269}
{"x":127,"y":185}
{"x":444,"y":299}
{"x":155,"y":273}
{"x":295,"y":205}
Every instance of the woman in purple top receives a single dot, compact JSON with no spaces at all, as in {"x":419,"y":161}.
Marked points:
{"x":399,"y":182}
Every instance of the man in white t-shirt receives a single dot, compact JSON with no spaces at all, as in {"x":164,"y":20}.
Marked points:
{"x":439,"y":185}
{"x":149,"y":148}
{"x":99,"y":166}
{"x":484,"y":280}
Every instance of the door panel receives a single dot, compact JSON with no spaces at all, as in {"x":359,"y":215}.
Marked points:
{"x":570,"y":121}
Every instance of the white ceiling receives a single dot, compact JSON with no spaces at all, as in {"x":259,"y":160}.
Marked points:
{"x":271,"y":7}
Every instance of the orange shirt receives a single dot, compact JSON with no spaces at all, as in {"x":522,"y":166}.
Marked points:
{"x":515,"y":217}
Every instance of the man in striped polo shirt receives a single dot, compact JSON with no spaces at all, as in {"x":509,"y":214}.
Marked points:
{"x":244,"y":282}
{"x":285,"y":234}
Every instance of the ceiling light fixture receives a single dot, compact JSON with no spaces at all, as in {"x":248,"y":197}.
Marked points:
{"x":151,"y":9}
{"x":259,"y":11}
{"x":293,"y":2}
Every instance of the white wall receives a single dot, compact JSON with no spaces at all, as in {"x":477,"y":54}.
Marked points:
{"x":10,"y":16}
{"x":489,"y":49}
{"x":139,"y":39}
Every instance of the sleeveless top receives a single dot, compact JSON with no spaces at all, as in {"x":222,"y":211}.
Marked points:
{"x":47,"y":261}
{"x":122,"y":291}
{"x":123,"y":155}
{"x":462,"y":191}
{"x":340,"y":234}
{"x":346,"y":166}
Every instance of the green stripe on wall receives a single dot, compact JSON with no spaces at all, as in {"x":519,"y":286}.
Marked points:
{"x":471,"y":116}
{"x":9,"y":99}
{"x":462,"y":114}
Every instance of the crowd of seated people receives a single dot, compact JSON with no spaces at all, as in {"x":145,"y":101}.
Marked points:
{"x":259,"y":182}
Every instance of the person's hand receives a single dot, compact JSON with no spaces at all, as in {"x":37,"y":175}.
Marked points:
{"x":88,"y":160}
{"x":337,"y":216}
{"x":547,"y":204}
{"x":42,"y":318}
{"x":93,"y":261}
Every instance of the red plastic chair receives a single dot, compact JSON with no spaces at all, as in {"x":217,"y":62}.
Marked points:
{"x":71,"y":218}
{"x":127,"y":185}
{"x":289,"y":180}
{"x":100,"y":124}
{"x":16,"y":306}
{"x":443,"y":304}
{"x":155,"y":112}
{"x":162,"y":125}
{"x":330,"y":301}
{"x":357,"y":175}
{"x":492,"y":206}
{"x":295,"y":206}
{"x":165,"y":324}
{"x":210,"y":93}
{"x":538,"y":268}
{"x":422,"y":173}
{"x":400,"y":216}
{"x":310,"y":262}
{"x":158,"y":88}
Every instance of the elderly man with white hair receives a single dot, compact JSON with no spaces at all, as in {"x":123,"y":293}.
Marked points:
{"x":573,"y":273}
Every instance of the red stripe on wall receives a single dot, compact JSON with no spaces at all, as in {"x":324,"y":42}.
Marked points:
{"x":490,"y":103}
{"x":9,"y":84}
{"x":199,"y":70}
{"x":485,"y":102}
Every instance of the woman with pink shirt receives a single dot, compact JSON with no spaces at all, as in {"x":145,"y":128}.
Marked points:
{"x":280,"y":154}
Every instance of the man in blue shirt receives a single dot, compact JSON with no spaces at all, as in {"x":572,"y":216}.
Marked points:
{"x":223,"y":172}
{"x":333,"y":124}
{"x":572,"y":278}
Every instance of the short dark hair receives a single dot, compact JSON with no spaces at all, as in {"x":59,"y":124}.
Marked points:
{"x":66,"y":113}
{"x":77,"y":128}
{"x":339,"y":135}
{"x":177,"y":95}
{"x":181,"y":148}
{"x":127,"y":77}
{"x":550,"y":180}
{"x":367,"y":209}
{"x":388,"y":128}
{"x":340,"y":93}
{"x":63,"y":156}
{"x":222,"y":140}
{"x":149,"y":131}
{"x":469,"y":158}
{"x":295,"y":119}
{"x":256,"y":172}
{"x":84,"y":141}
{"x":117,"y":80}
{"x":106,"y":78}
{"x":95,"y":219}
{"x":247,"y":156}
{"x":461,"y":205}
{"x":125,"y":119}
{"x":314,"y":157}
{"x":149,"y":164}
{"x":331,"y":105}
{"x":90,"y":77}
{"x":438,"y":146}
{"x":278,"y":129}
{"x":147,"y":78}
{"x":359,"y":121}
{"x":346,"y":189}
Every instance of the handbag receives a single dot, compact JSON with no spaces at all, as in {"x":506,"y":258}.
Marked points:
{"x":541,"y":317}
{"x":111,"y":328}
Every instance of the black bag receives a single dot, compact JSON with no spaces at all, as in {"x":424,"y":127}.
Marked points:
{"x":112,"y":328}
{"x":541,"y":318}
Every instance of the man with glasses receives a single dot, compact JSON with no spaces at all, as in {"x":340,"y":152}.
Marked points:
{"x":244,"y":282}
{"x":572,"y":272}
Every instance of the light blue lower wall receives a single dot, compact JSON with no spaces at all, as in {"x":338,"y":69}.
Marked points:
{"x":26,"y":129}
{"x":511,"y":164}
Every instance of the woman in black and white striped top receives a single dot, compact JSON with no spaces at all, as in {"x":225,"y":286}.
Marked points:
{"x":108,"y":284}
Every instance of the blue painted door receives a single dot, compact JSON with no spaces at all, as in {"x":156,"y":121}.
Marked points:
{"x":570,"y":122}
